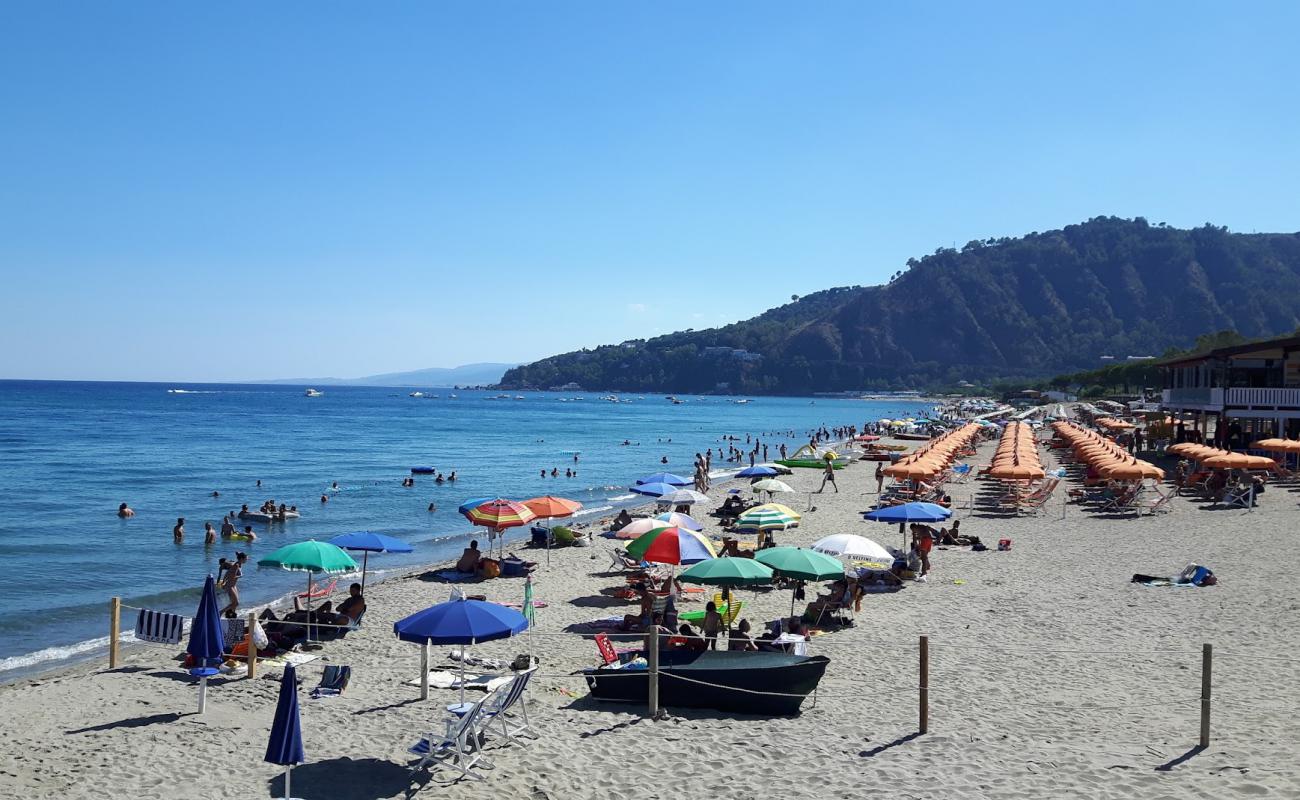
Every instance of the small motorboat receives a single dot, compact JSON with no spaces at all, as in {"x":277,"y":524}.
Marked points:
{"x":313,"y":393}
{"x":262,"y":516}
{"x":735,"y":681}
{"x":416,"y":394}
{"x":422,"y":470}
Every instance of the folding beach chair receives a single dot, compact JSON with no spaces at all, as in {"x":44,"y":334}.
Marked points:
{"x":508,"y":711}
{"x":458,"y":744}
{"x":320,"y":591}
{"x":333,"y":680}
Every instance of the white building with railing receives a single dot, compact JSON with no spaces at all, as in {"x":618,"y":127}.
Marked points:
{"x":1237,"y":393}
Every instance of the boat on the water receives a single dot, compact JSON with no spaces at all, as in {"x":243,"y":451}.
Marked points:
{"x":416,"y":394}
{"x":313,"y":393}
{"x":422,"y":470}
{"x":262,"y":516}
{"x":732,"y":679}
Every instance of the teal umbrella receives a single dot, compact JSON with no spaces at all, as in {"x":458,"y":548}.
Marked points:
{"x":728,"y":572}
{"x":801,"y":565}
{"x":310,"y":557}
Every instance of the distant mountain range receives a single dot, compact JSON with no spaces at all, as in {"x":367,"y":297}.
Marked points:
{"x":1026,"y":308}
{"x":464,"y":375}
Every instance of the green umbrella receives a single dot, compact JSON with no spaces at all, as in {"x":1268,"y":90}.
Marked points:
{"x":800,"y":564}
{"x":728,"y":572}
{"x":310,"y":557}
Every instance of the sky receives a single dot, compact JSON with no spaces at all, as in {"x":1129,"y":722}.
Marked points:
{"x":229,"y":191}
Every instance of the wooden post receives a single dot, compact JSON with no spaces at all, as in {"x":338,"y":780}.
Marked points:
{"x":114,"y":628}
{"x":925,"y":685}
{"x":252,"y":645}
{"x":653,"y":658}
{"x":424,"y":670}
{"x":1207,"y":664}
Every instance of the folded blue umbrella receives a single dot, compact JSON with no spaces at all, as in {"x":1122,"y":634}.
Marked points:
{"x":206,"y":644}
{"x":665,"y":477}
{"x":285,"y":745}
{"x":757,"y":472}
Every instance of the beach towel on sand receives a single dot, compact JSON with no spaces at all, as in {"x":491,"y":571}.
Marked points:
{"x":441,"y":679}
{"x":454,"y":576}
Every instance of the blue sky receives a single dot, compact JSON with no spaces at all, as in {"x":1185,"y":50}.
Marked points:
{"x":246,"y":190}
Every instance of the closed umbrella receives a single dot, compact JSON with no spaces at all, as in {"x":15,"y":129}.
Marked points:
{"x":366,"y":543}
{"x":458,"y":621}
{"x":206,"y":645}
{"x":285,"y":745}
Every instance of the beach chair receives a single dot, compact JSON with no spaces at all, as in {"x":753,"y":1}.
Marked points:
{"x":1160,"y":506}
{"x":333,"y":681}
{"x":620,"y":561}
{"x":320,"y":591}
{"x":733,"y":612}
{"x":458,"y":744}
{"x":509,"y":712}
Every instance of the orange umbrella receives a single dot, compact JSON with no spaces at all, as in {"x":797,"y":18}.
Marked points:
{"x":549,"y":507}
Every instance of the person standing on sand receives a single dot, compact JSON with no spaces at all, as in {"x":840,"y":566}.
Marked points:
{"x":829,"y":475}
{"x":880,"y":478}
{"x":178,"y":532}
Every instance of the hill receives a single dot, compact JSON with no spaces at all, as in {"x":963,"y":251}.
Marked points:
{"x":464,"y":375}
{"x":1042,"y":304}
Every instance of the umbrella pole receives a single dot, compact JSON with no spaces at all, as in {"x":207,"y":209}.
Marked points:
{"x":548,"y":542}
{"x":288,"y":794}
{"x":365,"y":561}
{"x":424,"y":671}
{"x":462,"y":673}
{"x":203,"y":694}
{"x":309,"y":625}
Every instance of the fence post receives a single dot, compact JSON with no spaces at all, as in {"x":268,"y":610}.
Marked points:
{"x":653,"y":658}
{"x":1207,"y":664}
{"x":114,"y":628}
{"x":252,"y":645}
{"x":925,"y":685}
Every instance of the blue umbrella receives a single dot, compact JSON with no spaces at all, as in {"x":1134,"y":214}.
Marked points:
{"x":665,"y":477}
{"x":654,"y":489}
{"x":909,"y":512}
{"x":285,"y":745}
{"x":459,"y":622}
{"x":368,"y":543}
{"x":757,"y":472}
{"x":207,"y":645}
{"x":473,"y":503}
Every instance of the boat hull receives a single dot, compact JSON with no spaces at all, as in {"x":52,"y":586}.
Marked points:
{"x":733,"y":678}
{"x":811,"y":463}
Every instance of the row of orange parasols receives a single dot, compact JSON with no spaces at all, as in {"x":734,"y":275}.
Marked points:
{"x":1016,"y":458}
{"x":936,"y":456}
{"x":1215,"y":458}
{"x":1112,"y":424}
{"x":1108,"y":459}
{"x":1277,"y":445}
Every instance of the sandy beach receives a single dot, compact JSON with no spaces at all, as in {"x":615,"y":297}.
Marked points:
{"x":1051,"y":676}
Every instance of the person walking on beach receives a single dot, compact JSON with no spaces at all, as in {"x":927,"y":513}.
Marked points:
{"x":234,"y":571}
{"x":178,"y":532}
{"x":712,"y":625}
{"x":829,"y":475}
{"x":880,"y":478}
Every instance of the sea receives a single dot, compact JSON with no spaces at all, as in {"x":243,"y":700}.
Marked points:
{"x":71,"y":452}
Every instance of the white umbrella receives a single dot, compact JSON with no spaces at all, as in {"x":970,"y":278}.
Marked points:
{"x":684,"y":496}
{"x":851,"y":546}
{"x":770,"y":485}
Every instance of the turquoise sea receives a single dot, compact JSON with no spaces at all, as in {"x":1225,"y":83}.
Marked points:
{"x":71,"y":452}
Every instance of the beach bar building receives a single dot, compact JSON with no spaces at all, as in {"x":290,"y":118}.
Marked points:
{"x":1237,"y":394}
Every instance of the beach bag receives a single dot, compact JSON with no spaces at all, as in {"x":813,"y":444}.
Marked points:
{"x":1004,"y":544}
{"x":489,"y":568}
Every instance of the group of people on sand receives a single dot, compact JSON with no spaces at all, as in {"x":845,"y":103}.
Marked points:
{"x":323,"y":622}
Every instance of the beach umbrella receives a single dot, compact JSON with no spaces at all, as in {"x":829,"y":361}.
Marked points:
{"x":654,"y":489}
{"x":206,"y":646}
{"x":473,"y":503}
{"x":285,"y":745}
{"x":799,"y":564}
{"x":765,"y":518}
{"x":310,"y":557}
{"x":848,"y":545}
{"x":366,"y":543}
{"x":771,"y":486}
{"x":498,"y":514}
{"x":781,"y":469}
{"x":684,"y":496}
{"x":908,"y":512}
{"x":637,"y":527}
{"x":670,"y":545}
{"x":552,"y":507}
{"x":680,"y":521}
{"x":665,"y":477}
{"x":728,"y":572}
{"x":759,"y":471}
{"x":458,"y":621}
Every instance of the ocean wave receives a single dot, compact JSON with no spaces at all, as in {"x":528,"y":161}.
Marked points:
{"x":29,"y":660}
{"x":190,"y":391}
{"x":586,"y":512}
{"x":621,"y":497}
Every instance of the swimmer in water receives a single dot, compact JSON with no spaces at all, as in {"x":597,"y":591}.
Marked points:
{"x":324,"y":498}
{"x":209,"y":533}
{"x":335,"y":486}
{"x":227,"y":527}
{"x":432,"y":508}
{"x":216,"y":493}
{"x":248,"y":533}
{"x":178,"y":532}
{"x":124,"y":511}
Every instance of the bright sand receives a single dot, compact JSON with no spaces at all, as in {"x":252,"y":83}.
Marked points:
{"x":1051,"y":676}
